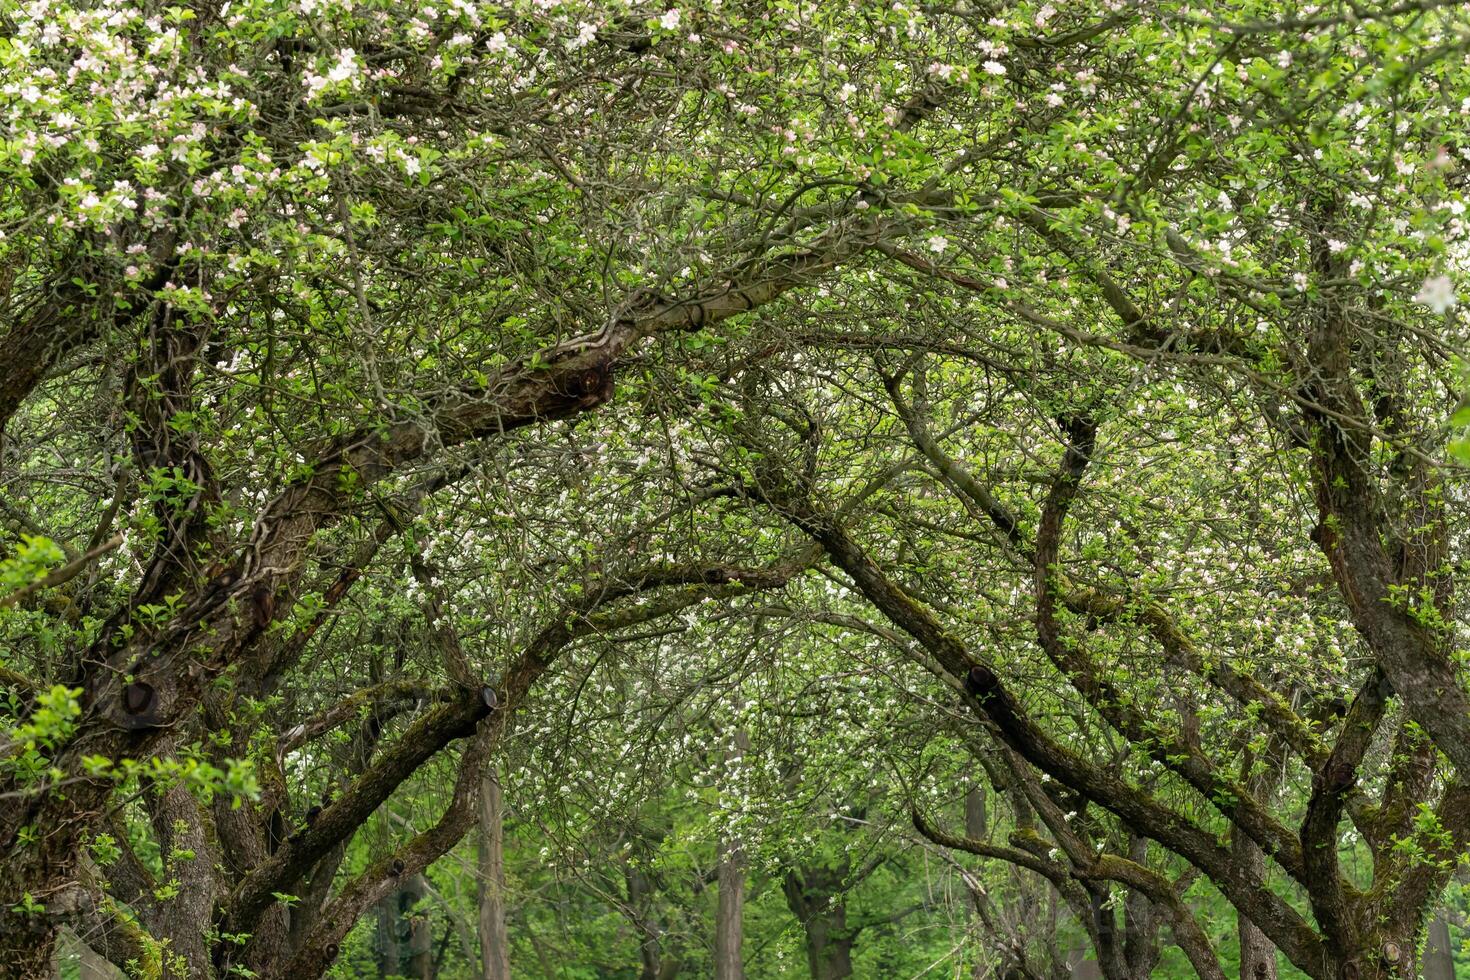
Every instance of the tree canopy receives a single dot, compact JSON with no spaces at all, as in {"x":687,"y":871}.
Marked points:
{"x":764,"y":488}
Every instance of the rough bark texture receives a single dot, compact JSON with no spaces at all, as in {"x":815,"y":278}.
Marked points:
{"x":494,"y":941}
{"x":1257,"y":955}
{"x":402,"y":944}
{"x":1257,"y":952}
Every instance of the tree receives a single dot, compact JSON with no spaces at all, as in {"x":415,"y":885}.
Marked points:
{"x":365,"y":365}
{"x":1319,"y":381}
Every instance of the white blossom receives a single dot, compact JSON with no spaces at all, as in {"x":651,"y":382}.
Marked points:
{"x":586,"y":33}
{"x":1437,"y":293}
{"x":346,"y":66}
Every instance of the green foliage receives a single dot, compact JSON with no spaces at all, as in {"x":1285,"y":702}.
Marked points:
{"x":292,"y":290}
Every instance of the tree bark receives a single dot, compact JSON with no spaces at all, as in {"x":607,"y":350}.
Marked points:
{"x":975,"y":821}
{"x":494,"y":942}
{"x":91,"y":965}
{"x":656,"y":965}
{"x":404,"y":946}
{"x":386,"y":941}
{"x":189,"y":856}
{"x":730,"y":910}
{"x":730,"y":914}
{"x":814,"y":895}
{"x":1439,"y":961}
{"x":1257,"y":955}
{"x":420,"y":933}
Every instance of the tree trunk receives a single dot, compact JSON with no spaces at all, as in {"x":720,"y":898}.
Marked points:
{"x":494,"y":942}
{"x":386,"y":941}
{"x":829,"y":945}
{"x":404,"y":946}
{"x":190,"y":859}
{"x":1257,"y":954}
{"x":1141,"y":921}
{"x":730,"y":910}
{"x":1439,"y":961}
{"x":975,"y":821}
{"x":730,"y":914}
{"x":656,"y":966}
{"x":814,"y":896}
{"x":420,"y":934}
{"x":91,"y":965}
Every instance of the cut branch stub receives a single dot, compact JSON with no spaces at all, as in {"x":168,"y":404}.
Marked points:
{"x":139,"y":706}
{"x":590,"y":386}
{"x":488,"y":696}
{"x":263,"y":604}
{"x":1339,"y":777}
{"x":981,"y":682}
